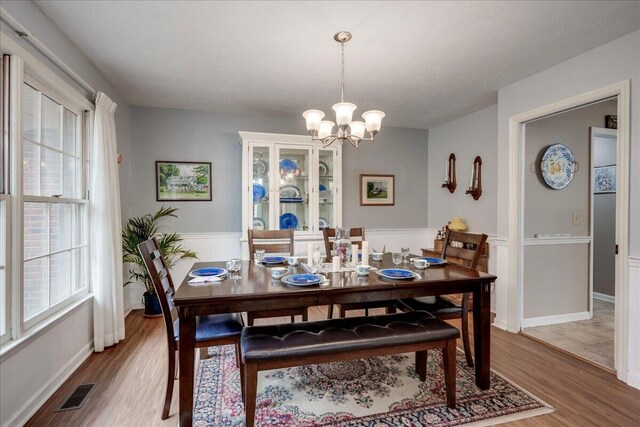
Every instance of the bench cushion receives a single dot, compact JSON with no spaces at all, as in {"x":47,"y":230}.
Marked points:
{"x":440,"y":307}
{"x":294,"y":340}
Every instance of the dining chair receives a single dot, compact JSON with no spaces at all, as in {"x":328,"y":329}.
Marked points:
{"x":211,"y":330}
{"x":444,"y":307}
{"x":273,"y":242}
{"x":357,"y":236}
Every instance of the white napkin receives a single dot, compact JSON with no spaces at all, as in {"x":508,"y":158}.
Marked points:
{"x":203,"y":279}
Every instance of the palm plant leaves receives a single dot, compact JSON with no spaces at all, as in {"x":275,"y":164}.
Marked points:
{"x":140,"y":229}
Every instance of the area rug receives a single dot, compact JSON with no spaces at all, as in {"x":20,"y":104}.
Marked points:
{"x":375,"y":392}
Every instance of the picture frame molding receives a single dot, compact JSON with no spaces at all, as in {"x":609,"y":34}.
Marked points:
{"x":177,"y":162}
{"x":363,"y":201}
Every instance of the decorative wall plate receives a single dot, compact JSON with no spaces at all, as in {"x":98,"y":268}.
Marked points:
{"x":288,"y":221}
{"x":290,"y":192}
{"x":557,"y":166}
{"x":322,"y":223}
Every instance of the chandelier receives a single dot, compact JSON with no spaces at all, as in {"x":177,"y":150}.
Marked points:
{"x":348,"y":130}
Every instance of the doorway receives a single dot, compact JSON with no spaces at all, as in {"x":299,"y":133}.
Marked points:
{"x":563,"y":260}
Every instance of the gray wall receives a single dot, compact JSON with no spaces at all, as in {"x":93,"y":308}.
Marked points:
{"x":467,"y":137}
{"x":169,"y":134}
{"x":551,"y":211}
{"x":604,"y":222}
{"x":36,"y":22}
{"x":610,"y":63}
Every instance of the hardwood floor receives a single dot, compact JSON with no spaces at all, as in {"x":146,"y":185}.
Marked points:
{"x":130,"y":382}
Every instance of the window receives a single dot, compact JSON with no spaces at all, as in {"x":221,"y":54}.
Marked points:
{"x":54,"y":203}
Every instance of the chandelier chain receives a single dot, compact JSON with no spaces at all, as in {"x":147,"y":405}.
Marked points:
{"x":342,"y":73}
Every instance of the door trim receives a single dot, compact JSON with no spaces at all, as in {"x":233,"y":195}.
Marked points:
{"x":515,"y":291}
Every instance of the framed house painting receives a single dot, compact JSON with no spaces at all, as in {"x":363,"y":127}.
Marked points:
{"x":377,"y":190}
{"x":183,"y":181}
{"x":604,"y":179}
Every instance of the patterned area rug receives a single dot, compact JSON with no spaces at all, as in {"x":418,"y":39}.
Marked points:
{"x":376,"y":392}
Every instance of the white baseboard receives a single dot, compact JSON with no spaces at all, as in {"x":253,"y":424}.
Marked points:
{"x":552,"y":320}
{"x":500,"y":324}
{"x":46,"y":391}
{"x":604,"y":297}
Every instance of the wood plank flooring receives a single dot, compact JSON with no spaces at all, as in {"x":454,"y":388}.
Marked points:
{"x":130,"y":383}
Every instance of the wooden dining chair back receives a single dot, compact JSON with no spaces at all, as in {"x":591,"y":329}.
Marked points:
{"x":212,"y":330}
{"x":356,"y":235}
{"x":466,"y":252}
{"x":470,"y":252}
{"x":272,"y":241}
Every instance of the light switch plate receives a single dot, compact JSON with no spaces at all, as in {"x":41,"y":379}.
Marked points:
{"x":576,"y":218}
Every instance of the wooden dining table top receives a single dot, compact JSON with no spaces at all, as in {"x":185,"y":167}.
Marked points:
{"x":256,"y":284}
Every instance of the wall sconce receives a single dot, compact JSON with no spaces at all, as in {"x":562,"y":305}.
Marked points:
{"x":475,"y":182}
{"x":450,"y":174}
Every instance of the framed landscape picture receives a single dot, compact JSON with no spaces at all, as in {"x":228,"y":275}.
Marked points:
{"x":377,"y":190}
{"x":183,"y":181}
{"x":604,"y":179}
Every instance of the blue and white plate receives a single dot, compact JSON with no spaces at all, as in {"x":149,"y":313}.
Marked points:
{"x":206,"y":272}
{"x":273,"y":260}
{"x":290,"y":192}
{"x":557,"y":166}
{"x":259,"y":192}
{"x":323,"y":168}
{"x":434,"y":261}
{"x":322,"y":187}
{"x":323,"y":223}
{"x":260,"y":167}
{"x":288,"y":221}
{"x":396,"y":273}
{"x":288,"y":165}
{"x":258,"y":224}
{"x":302,"y":279}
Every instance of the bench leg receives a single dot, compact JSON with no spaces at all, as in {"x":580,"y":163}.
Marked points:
{"x":250,"y":389}
{"x":421,"y":365}
{"x":330,"y":312}
{"x":305,"y":315}
{"x":449,"y":363}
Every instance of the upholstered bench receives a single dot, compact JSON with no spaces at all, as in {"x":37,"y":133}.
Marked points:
{"x":296,"y":344}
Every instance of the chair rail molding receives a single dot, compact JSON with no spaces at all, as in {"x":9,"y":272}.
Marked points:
{"x":513,"y":293}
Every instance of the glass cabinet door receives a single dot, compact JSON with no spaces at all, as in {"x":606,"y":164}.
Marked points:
{"x":260,"y":163}
{"x":294,"y":188}
{"x":326,"y":189}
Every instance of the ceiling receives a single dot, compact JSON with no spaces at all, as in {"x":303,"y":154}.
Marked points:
{"x":422,"y":63}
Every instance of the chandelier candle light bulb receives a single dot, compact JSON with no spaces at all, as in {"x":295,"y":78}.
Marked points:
{"x":348,"y":130}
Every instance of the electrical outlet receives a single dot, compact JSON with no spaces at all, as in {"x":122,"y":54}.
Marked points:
{"x":576,"y":218}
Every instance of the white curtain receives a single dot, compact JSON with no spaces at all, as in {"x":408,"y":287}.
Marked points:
{"x":106,"y":229}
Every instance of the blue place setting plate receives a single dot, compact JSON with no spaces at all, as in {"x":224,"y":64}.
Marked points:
{"x":200,"y":272}
{"x":259,"y":192}
{"x":287,"y":221}
{"x":273,"y":260}
{"x":302,"y":279}
{"x":434,"y":261}
{"x":396,"y":273}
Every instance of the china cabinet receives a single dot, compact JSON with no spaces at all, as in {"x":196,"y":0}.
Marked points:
{"x":290,"y":182}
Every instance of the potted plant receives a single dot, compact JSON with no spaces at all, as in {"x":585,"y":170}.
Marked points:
{"x":136,"y":231}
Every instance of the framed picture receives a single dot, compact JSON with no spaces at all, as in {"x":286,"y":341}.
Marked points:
{"x":377,"y":190}
{"x":183,"y":181}
{"x":604,"y":179}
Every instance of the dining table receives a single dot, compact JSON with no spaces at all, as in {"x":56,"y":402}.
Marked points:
{"x":255,"y":289}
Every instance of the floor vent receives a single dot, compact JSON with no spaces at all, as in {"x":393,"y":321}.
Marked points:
{"x":77,"y":398}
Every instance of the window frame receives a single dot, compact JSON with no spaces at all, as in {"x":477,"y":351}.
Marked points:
{"x":81,"y":131}
{"x":5,"y":207}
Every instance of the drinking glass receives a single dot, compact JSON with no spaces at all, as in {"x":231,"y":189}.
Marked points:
{"x":234,"y":266}
{"x":316,"y":259}
{"x":258,"y":256}
{"x":405,"y":254}
{"x":396,"y":257}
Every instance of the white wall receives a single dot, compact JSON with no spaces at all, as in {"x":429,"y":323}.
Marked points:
{"x":29,"y":375}
{"x":467,"y":137}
